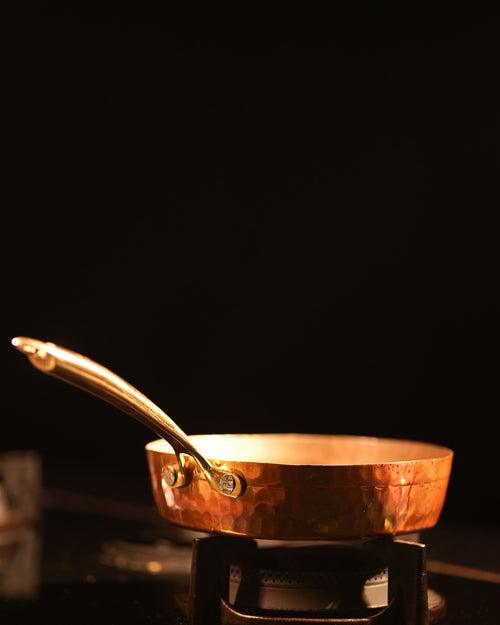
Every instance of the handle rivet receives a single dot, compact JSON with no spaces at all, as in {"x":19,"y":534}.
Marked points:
{"x":170,"y":476}
{"x":227,"y":484}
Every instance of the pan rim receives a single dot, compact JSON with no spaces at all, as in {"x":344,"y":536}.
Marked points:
{"x":437,"y":453}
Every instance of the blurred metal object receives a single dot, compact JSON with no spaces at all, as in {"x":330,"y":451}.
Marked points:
{"x":158,"y":558}
{"x":20,"y":488}
{"x":108,"y":507}
{"x":286,"y":486}
{"x":20,"y":506}
{"x":20,"y":560}
{"x":466,"y":572}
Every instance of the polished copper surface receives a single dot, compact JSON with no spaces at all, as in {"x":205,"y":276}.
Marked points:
{"x":309,"y":486}
{"x":275,"y":486}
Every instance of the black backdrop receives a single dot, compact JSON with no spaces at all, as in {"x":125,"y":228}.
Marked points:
{"x":265,"y":222}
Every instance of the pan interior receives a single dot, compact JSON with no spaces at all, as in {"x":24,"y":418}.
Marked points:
{"x":307,"y":449}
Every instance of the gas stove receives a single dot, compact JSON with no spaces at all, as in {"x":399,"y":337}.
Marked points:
{"x":94,"y":565}
{"x":372,"y":581}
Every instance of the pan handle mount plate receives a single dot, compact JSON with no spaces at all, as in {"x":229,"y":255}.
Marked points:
{"x":103,"y":383}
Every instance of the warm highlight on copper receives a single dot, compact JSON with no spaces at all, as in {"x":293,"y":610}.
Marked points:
{"x":348,"y":486}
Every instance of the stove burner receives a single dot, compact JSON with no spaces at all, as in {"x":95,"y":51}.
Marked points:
{"x":379,"y":581}
{"x":319,"y":578}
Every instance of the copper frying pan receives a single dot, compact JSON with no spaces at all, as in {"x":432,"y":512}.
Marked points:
{"x":277,"y":486}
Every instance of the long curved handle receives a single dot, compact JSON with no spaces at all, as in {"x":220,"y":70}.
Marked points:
{"x":99,"y":381}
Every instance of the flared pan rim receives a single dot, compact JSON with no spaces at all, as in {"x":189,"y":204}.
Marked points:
{"x":434,"y":452}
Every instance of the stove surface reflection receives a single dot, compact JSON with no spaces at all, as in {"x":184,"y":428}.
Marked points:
{"x":77,"y":576}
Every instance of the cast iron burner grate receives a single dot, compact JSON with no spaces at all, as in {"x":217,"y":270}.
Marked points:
{"x":378,"y":581}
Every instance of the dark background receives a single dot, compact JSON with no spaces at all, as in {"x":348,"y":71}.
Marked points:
{"x":266,"y":222}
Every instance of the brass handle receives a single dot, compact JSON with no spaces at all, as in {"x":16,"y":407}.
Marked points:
{"x":97,"y":380}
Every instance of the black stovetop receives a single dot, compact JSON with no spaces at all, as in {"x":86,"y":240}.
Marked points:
{"x":56,"y":573}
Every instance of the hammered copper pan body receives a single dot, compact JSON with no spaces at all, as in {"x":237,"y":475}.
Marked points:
{"x":301,"y":486}
{"x":276,"y":486}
